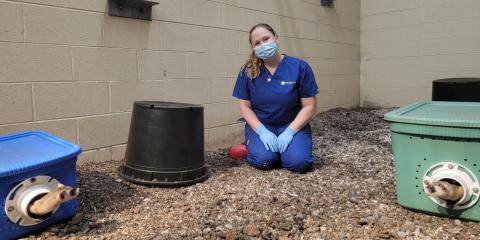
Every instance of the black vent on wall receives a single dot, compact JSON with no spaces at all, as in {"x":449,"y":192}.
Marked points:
{"x":138,"y":9}
{"x":327,"y":3}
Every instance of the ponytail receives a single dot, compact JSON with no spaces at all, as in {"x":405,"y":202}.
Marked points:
{"x":253,"y":66}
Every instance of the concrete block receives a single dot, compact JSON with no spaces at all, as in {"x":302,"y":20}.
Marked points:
{"x":348,"y":36}
{"x":215,"y":114}
{"x":234,"y":64}
{"x":118,"y":152}
{"x":392,"y":50}
{"x":11,"y":27}
{"x":232,"y":14}
{"x":341,"y":82}
{"x":325,"y":82}
{"x":203,"y":12}
{"x":340,"y":98}
{"x":221,"y":89}
{"x":168,"y":10}
{"x":300,"y":10}
{"x":452,"y":45}
{"x":197,"y":65}
{"x":325,"y":99}
{"x":406,"y":96}
{"x":94,"y":156}
{"x":103,"y":131}
{"x":369,"y":98}
{"x":377,"y":80}
{"x":182,"y":37}
{"x":91,"y":5}
{"x":61,"y":100}
{"x":340,"y":50}
{"x":328,"y":33}
{"x":131,"y":33}
{"x":309,"y":30}
{"x":201,"y":65}
{"x":61,"y":26}
{"x":224,"y":136}
{"x":393,"y":19}
{"x":452,"y":28}
{"x":221,"y":41}
{"x":451,"y":62}
{"x":391,"y":65}
{"x":58,"y":3}
{"x":156,"y":65}
{"x":187,"y":91}
{"x":124,"y":94}
{"x":32,"y":62}
{"x":219,"y":114}
{"x":244,"y":46}
{"x":290,"y":27}
{"x":65,"y":129}
{"x":390,"y":35}
{"x":341,"y":19}
{"x":234,"y":111}
{"x":269,"y":6}
{"x":381,"y":6}
{"x":301,"y":47}
{"x":176,"y":65}
{"x":450,"y":10}
{"x":16,"y":102}
{"x":104,"y":64}
{"x":333,"y":66}
{"x":352,"y":7}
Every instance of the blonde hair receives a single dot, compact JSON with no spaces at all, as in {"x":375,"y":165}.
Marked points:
{"x":253,"y":65}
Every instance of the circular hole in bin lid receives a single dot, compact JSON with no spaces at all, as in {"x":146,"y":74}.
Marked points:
{"x":165,"y":144}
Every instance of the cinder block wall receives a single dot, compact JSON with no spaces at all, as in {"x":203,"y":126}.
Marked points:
{"x":69,"y":68}
{"x":405,"y":45}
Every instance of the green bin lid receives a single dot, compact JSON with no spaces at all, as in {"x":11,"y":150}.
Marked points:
{"x":438,"y":113}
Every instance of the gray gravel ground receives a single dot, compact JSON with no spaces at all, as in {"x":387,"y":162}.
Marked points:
{"x":349,"y":195}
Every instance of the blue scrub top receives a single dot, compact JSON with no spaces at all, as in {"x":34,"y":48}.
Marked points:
{"x":276,"y":99}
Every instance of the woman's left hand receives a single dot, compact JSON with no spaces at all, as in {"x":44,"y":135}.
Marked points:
{"x":284,"y":139}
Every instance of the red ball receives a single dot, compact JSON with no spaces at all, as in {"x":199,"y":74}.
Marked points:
{"x":238,"y":151}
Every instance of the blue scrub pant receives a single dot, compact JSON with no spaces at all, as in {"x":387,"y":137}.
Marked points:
{"x":297,"y":157}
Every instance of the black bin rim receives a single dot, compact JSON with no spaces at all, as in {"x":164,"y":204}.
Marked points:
{"x":166,"y":105}
{"x":458,"y":80}
{"x":128,"y":173}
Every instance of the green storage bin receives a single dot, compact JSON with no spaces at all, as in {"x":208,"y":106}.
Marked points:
{"x":434,"y":140}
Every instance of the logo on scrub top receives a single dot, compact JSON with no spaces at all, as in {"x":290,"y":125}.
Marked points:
{"x":287,"y":82}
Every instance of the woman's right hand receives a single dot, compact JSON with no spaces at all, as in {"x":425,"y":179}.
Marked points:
{"x":268,"y":138}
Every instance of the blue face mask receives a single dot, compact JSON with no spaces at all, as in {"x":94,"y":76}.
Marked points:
{"x":266,"y":51}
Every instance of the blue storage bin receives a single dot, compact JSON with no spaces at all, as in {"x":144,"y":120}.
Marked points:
{"x":33,"y":160}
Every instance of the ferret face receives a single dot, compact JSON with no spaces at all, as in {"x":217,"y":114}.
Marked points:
{"x":444,"y":190}
{"x":438,"y":188}
{"x":65,"y":193}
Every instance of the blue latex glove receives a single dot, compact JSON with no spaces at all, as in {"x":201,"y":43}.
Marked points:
{"x":284,"y":139}
{"x":268,"y":138}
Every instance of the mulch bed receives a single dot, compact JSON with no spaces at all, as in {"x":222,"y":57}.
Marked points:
{"x":349,"y":195}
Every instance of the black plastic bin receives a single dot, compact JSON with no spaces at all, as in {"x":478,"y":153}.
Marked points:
{"x":456,"y":89}
{"x":165,"y":145}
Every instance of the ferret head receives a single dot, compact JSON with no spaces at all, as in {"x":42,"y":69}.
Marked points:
{"x":66,"y":193}
{"x":438,"y":188}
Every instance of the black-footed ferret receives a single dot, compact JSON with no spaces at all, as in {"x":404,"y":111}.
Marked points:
{"x":45,"y":205}
{"x":444,"y":190}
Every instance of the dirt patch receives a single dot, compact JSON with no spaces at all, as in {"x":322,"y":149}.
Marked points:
{"x":349,"y":195}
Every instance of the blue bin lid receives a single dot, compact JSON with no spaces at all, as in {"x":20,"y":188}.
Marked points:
{"x":438,"y":113}
{"x":25,"y":151}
